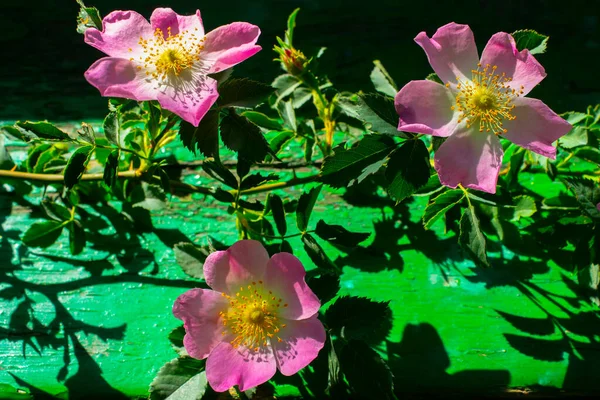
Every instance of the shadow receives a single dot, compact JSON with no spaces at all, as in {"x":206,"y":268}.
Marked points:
{"x":420,"y":363}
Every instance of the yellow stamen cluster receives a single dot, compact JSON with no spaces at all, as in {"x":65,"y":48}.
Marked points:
{"x":486,"y":99}
{"x":168,"y":55}
{"x":253,"y":316}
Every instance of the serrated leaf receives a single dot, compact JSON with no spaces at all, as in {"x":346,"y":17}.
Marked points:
{"x":220,"y":173}
{"x":589,"y":154}
{"x":587,"y":194}
{"x":375,"y":110}
{"x":280,"y":140}
{"x":440,"y":205}
{"x":524,"y":207}
{"x":56,"y":211}
{"x":516,"y":163}
{"x":242,"y":93}
{"x":6,"y":161}
{"x":43,"y":234}
{"x":46,"y":157}
{"x":382,"y":80}
{"x":86,"y":133}
{"x":153,"y":197}
{"x":89,"y":17}
{"x":359,"y":318}
{"x":77,"y":165}
{"x":285,"y":85}
{"x":291,"y":25}
{"x":112,"y":127}
{"x":531,"y":40}
{"x":174,"y":375}
{"x":301,"y":96}
{"x":191,"y":259}
{"x":337,"y":234}
{"x":407,"y":169}
{"x":34,"y":154}
{"x":434,"y":78}
{"x":367,"y":373}
{"x":241,"y":135}
{"x":276,"y":206}
{"x":471,"y":239}
{"x":43,"y":130}
{"x":76,"y":237}
{"x":257,"y":180}
{"x":306,"y":204}
{"x":262,"y":120}
{"x":204,"y":137}
{"x":325,"y":286}
{"x":345,"y":166}
{"x":193,"y":389}
{"x":288,"y":115}
{"x":111,"y":168}
{"x":318,"y":256}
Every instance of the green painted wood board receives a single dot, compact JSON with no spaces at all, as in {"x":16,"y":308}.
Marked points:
{"x":449,"y":333}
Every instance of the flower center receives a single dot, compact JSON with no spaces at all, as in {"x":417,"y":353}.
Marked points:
{"x":170,"y":55}
{"x":486,"y":99}
{"x":253,"y":316}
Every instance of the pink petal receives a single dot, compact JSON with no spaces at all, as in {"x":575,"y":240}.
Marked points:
{"x":190,"y":96}
{"x":199,"y":309}
{"x":285,"y":277}
{"x":118,"y":77}
{"x":471,"y":158}
{"x":524,"y":69}
{"x":228,"y":366}
{"x":121,"y":31}
{"x":165,"y":18}
{"x":451,"y":51}
{"x":244,"y":262}
{"x":425,"y":107}
{"x":535,"y":127}
{"x":301,"y":343}
{"x":229,"y":45}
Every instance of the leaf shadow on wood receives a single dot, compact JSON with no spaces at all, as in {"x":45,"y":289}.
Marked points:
{"x":420,"y":361}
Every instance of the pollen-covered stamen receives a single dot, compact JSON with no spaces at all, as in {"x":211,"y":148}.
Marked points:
{"x":486,"y":99}
{"x":253,"y":316}
{"x":167,"y":55}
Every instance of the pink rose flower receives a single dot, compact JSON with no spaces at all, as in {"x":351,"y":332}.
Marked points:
{"x":481,"y":99}
{"x":260,"y":317}
{"x":167,"y":59}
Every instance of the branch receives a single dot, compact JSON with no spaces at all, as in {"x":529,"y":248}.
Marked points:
{"x":59,"y":178}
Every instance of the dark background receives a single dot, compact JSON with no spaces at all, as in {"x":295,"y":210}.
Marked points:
{"x":44,"y":58}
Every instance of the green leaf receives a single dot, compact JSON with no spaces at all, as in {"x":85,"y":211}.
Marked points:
{"x":587,"y":194}
{"x":56,"y":211}
{"x":318,"y":256}
{"x":112,"y":127}
{"x":173,"y":375}
{"x":76,"y":238}
{"x":220,"y":173}
{"x":77,"y":165}
{"x":524,"y":207}
{"x":191,"y":258}
{"x":531,"y":40}
{"x":337,"y":234}
{"x":152,"y":197}
{"x":589,"y":154}
{"x":440,"y":205}
{"x":291,"y":25}
{"x":375,"y":110}
{"x":242,"y":93}
{"x":306,"y":204}
{"x":516,"y":163}
{"x":193,"y":389}
{"x":434,"y":78}
{"x":408,"y":169}
{"x":46,"y":157}
{"x":285,"y":85}
{"x":288,"y":115}
{"x":34,"y":155}
{"x":325,"y":286}
{"x":111,"y":168}
{"x":359,"y":318}
{"x":43,"y":130}
{"x":43,"y":234}
{"x":205,"y":137}
{"x":471,"y":238}
{"x":241,"y":135}
{"x":262,"y":120}
{"x":276,"y":205}
{"x":280,"y":140}
{"x":346,"y":165}
{"x":176,"y":338}
{"x":257,"y":180}
{"x":222,"y":195}
{"x":301,"y":96}
{"x":86,"y":133}
{"x":382,"y":81}
{"x":367,"y":373}
{"x":88,"y":17}
{"x":6,"y":161}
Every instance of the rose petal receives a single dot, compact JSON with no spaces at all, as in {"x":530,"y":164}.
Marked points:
{"x":199,"y":310}
{"x":300,"y":344}
{"x":522,"y":67}
{"x":245,"y":261}
{"x":165,"y":18}
{"x":228,"y":366}
{"x":535,"y":127}
{"x":471,"y":158}
{"x":451,"y":51}
{"x":229,"y":45}
{"x":285,"y":277}
{"x":190,"y":95}
{"x":425,"y":107}
{"x":117,"y":77}
{"x":121,"y":31}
